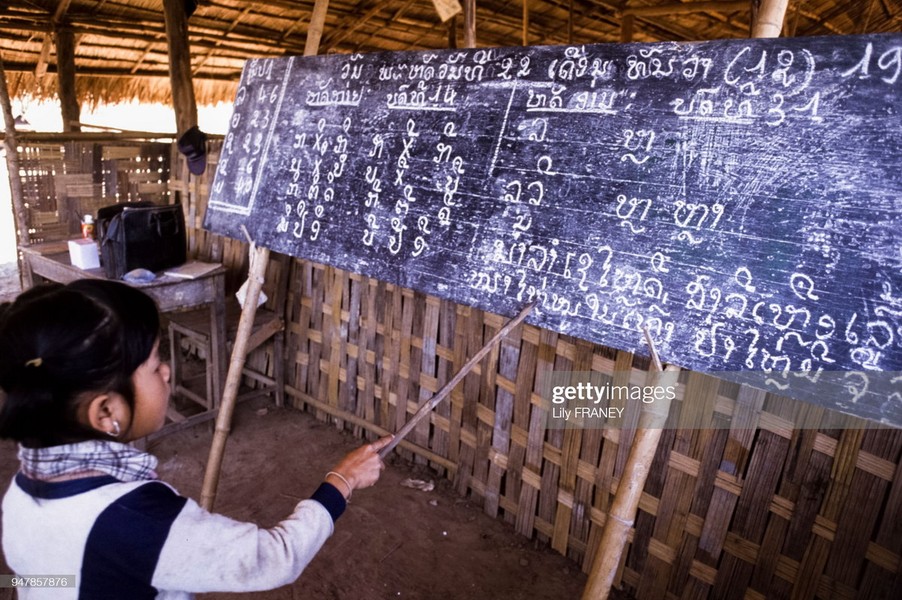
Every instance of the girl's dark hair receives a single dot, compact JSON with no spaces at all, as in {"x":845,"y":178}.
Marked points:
{"x":58,"y":343}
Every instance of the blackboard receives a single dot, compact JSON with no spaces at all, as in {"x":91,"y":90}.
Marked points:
{"x":740,"y":199}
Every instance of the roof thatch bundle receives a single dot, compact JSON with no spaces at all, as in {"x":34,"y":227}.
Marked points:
{"x":121,"y":50}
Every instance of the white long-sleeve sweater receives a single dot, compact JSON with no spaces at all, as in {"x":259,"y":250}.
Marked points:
{"x":142,"y":540}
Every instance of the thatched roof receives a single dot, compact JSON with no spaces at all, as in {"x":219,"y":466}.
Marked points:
{"x":121,"y":51}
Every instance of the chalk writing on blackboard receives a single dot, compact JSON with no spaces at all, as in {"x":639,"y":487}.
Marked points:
{"x":740,"y":199}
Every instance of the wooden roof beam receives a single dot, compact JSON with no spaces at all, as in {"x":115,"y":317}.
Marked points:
{"x":153,"y":33}
{"x":669,"y":31}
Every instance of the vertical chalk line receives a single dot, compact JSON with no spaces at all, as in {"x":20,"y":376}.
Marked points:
{"x":503,"y":128}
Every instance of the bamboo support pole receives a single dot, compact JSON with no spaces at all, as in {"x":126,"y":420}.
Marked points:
{"x":446,"y":390}
{"x":768,"y":22}
{"x":259,"y":259}
{"x":452,"y":32}
{"x":623,"y":510}
{"x":15,"y":180}
{"x":41,"y":69}
{"x":626,"y":29}
{"x":768,"y":18}
{"x":469,"y":23}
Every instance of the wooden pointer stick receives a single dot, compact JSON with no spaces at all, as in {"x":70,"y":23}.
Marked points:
{"x":442,"y":393}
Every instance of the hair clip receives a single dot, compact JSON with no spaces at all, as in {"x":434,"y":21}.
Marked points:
{"x":34,"y":362}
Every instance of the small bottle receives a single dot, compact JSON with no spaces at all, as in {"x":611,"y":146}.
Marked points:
{"x":87,"y":227}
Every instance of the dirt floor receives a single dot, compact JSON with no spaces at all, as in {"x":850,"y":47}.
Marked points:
{"x":392,"y":542}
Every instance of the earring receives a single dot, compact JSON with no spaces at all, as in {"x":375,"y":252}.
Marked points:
{"x":116,"y":430}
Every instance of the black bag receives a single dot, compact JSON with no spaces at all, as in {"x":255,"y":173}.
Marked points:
{"x":140,"y":235}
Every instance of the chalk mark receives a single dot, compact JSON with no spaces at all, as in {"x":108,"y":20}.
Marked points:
{"x":507,"y":111}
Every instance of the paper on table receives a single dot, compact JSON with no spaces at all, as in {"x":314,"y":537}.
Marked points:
{"x":191,"y":270}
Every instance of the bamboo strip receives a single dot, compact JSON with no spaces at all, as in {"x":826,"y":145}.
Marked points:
{"x":347,"y":393}
{"x":509,"y":356}
{"x":750,"y":517}
{"x":485,"y":411}
{"x":685,"y":8}
{"x":422,"y":434}
{"x":457,"y":396}
{"x":471,"y":340}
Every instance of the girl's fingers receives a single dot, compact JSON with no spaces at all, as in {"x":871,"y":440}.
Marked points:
{"x":381,"y":443}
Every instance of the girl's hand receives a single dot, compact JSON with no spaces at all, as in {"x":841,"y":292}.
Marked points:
{"x":360,"y":468}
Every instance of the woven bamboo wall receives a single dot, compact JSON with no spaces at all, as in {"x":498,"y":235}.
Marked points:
{"x":63,"y":181}
{"x":758,"y":510}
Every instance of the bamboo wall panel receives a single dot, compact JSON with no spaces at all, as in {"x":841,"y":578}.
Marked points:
{"x":63,"y":181}
{"x":752,"y":508}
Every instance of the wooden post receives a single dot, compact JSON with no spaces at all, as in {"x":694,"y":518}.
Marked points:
{"x":452,"y":32}
{"x":259,"y":259}
{"x":767,"y":18}
{"x":626,"y":29}
{"x":469,"y":23}
{"x":65,"y":77}
{"x":183,"y":100}
{"x":315,"y":29}
{"x":12,"y":164}
{"x":525,"y":23}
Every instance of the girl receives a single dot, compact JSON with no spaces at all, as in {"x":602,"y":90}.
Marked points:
{"x":81,"y":377}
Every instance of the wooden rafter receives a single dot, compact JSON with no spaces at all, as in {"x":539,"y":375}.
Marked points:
{"x":397,"y":14}
{"x":350,"y":25}
{"x":219,"y":41}
{"x":147,"y":50}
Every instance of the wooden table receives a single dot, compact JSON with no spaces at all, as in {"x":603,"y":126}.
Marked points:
{"x":51,"y":262}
